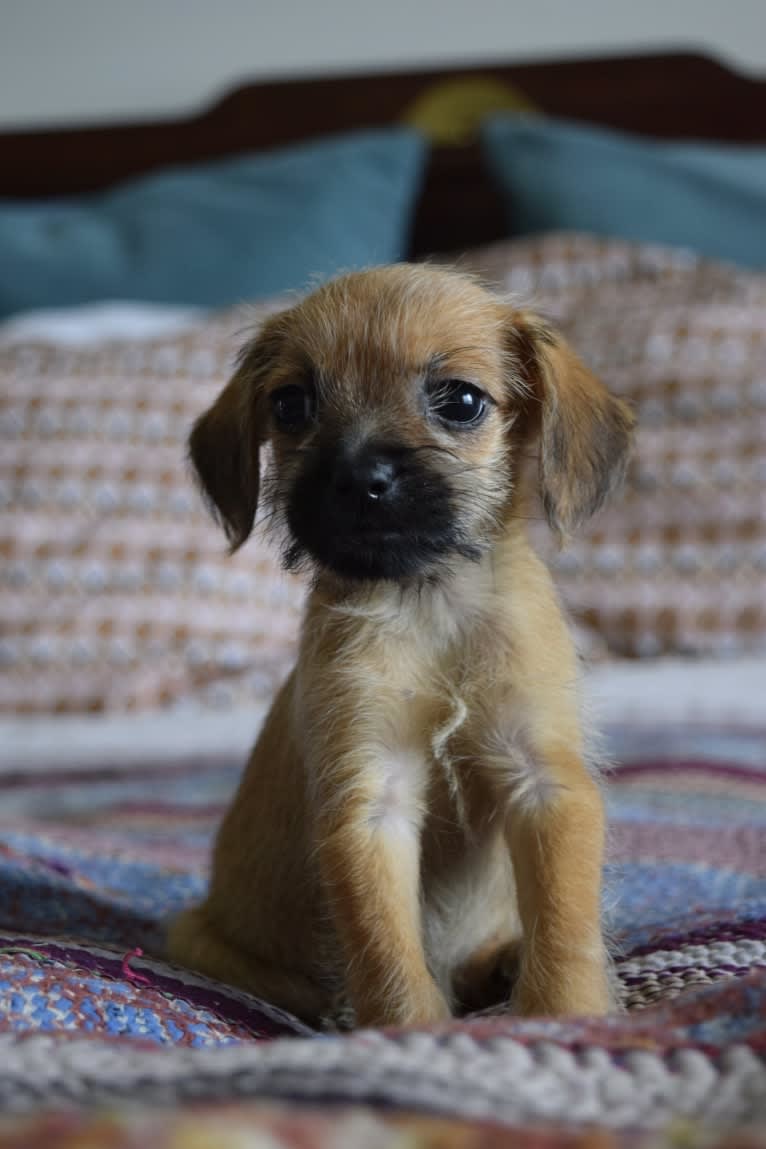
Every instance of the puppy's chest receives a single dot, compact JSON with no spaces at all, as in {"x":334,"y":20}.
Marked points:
{"x":442,"y":681}
{"x":413,"y":681}
{"x":435,"y":714}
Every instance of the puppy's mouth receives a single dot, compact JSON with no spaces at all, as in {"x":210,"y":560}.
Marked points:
{"x":377,"y":514}
{"x":368,"y":554}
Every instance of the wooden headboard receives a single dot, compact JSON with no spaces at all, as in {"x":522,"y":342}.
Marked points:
{"x":673,"y":94}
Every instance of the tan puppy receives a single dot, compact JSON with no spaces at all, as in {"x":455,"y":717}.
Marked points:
{"x":417,"y":819}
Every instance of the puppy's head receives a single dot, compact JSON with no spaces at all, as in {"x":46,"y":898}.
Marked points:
{"x":398,"y":403}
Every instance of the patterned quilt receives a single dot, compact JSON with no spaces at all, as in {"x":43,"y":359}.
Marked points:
{"x":103,"y":1043}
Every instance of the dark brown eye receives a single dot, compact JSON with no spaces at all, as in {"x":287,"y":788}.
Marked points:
{"x":454,"y":401}
{"x":294,"y":406}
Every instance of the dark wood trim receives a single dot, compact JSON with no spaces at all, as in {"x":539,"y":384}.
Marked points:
{"x":669,"y":95}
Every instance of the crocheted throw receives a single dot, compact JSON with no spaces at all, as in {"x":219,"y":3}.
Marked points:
{"x":92,"y":862}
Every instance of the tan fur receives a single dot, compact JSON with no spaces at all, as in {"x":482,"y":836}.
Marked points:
{"x":418,"y":810}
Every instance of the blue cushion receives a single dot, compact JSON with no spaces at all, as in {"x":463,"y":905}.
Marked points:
{"x":219,"y":233}
{"x":558,"y":175}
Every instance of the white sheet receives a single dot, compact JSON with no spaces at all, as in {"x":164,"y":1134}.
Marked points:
{"x":97,"y":323}
{"x":649,"y":691}
{"x":643,"y":694}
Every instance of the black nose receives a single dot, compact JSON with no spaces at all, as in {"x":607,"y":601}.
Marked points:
{"x":369,"y":475}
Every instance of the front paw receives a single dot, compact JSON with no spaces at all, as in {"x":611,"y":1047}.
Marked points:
{"x":420,"y":1006}
{"x":568,"y":989}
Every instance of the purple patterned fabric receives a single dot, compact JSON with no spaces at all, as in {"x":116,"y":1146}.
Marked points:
{"x":92,"y":863}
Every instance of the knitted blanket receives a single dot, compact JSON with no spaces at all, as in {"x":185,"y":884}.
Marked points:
{"x":92,"y":862}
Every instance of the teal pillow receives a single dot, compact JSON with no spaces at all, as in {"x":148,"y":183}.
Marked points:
{"x":219,"y":233}
{"x":561,"y":176}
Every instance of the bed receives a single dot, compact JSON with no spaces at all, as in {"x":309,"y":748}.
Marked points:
{"x":131,"y":685}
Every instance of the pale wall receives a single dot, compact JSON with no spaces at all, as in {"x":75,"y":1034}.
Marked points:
{"x":103,"y":59}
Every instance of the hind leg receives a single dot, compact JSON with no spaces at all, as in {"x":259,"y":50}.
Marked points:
{"x":486,"y":978}
{"x":194,"y":943}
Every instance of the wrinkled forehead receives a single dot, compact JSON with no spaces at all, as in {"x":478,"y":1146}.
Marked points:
{"x":376,"y":327}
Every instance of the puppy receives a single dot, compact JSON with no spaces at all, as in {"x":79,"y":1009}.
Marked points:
{"x":418,"y":820}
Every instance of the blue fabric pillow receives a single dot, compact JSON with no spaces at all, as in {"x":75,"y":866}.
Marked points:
{"x":219,"y":233}
{"x":562,"y":176}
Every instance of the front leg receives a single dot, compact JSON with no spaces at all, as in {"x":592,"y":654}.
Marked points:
{"x":368,"y":843}
{"x":555,"y":833}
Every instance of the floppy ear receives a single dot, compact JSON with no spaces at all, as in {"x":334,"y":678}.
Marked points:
{"x":224,"y":442}
{"x":585,"y":433}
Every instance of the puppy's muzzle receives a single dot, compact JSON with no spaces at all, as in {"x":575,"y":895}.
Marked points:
{"x":367,"y":479}
{"x":371,"y":511}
